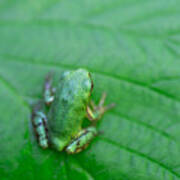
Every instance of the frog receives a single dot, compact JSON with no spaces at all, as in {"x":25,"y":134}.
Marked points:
{"x":57,"y":119}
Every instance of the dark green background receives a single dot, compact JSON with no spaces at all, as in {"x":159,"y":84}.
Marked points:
{"x":132,"y":48}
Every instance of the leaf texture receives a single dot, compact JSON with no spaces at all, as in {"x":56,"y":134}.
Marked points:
{"x":132,"y":49}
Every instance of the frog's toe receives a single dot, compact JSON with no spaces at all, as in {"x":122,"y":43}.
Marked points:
{"x":95,"y":112}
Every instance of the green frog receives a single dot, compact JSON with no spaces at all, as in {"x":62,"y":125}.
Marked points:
{"x":68,"y":104}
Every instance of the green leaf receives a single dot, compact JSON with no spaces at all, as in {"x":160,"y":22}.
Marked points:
{"x":132,"y":48}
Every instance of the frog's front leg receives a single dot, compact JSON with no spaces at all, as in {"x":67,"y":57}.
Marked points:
{"x":95,"y":112}
{"x":82,"y":140}
{"x":39,"y":122}
{"x":49,"y":90}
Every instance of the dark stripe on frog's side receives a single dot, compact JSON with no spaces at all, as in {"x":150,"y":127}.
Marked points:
{"x":39,"y":124}
{"x":78,"y":141}
{"x":92,"y":84}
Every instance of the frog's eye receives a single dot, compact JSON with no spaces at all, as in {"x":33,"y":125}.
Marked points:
{"x":92,"y":84}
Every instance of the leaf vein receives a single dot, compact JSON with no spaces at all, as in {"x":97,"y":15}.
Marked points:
{"x":142,"y":155}
{"x":89,"y":26}
{"x":116,"y":77}
{"x":13,"y":91}
{"x":145,"y":125}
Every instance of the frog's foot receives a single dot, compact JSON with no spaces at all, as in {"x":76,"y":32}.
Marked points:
{"x":48,"y":90}
{"x":95,"y":112}
{"x":39,"y":122}
{"x":82,"y":140}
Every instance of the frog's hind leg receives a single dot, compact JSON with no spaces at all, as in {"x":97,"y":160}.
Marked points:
{"x":39,"y":122}
{"x":95,"y":112}
{"x":49,"y":90}
{"x":82,"y":140}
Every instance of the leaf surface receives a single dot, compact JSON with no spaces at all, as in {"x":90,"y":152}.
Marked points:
{"x":132,"y":49}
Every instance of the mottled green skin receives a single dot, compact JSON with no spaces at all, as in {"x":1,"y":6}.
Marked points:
{"x":68,"y":109}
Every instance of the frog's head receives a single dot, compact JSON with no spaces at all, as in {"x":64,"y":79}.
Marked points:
{"x":79,"y":81}
{"x":84,"y":80}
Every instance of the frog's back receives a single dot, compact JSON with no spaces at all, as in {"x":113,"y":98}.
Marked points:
{"x":69,"y":107}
